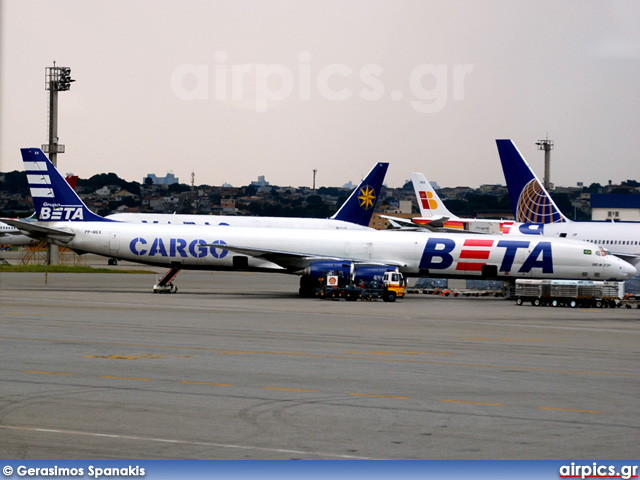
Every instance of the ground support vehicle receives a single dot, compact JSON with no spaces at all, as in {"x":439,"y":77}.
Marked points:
{"x":165,"y":285}
{"x":388,"y":286}
{"x":570,"y":293}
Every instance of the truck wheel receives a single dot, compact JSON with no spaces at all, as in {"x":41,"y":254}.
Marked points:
{"x":535,"y":302}
{"x":554,"y":303}
{"x":389,"y":297}
{"x":518,"y":301}
{"x":573,"y":304}
{"x":352,"y":296}
{"x":598,"y":303}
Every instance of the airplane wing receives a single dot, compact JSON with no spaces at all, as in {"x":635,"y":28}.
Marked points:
{"x":436,"y":225}
{"x":435,"y":222}
{"x":294,"y":260}
{"x":408,"y":224}
{"x":37,"y":230}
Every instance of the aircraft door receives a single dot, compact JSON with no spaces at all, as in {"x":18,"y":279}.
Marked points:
{"x":114,"y":243}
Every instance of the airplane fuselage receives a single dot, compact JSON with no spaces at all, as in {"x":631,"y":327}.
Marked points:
{"x":236,"y":221}
{"x":614,"y":236}
{"x":414,"y":253}
{"x":619,"y":238}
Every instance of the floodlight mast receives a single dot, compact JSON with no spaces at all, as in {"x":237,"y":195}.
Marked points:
{"x":57,"y":79}
{"x":547,"y":146}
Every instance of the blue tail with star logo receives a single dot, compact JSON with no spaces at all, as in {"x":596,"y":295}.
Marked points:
{"x":361,"y":203}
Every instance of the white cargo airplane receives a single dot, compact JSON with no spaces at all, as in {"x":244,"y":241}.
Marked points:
{"x":66,"y":221}
{"x":533,"y":206}
{"x":354,"y":214}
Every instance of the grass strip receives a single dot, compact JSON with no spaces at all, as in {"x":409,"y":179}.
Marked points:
{"x":65,"y":269}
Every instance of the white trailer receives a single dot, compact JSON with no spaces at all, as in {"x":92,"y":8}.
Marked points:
{"x":570,"y":293}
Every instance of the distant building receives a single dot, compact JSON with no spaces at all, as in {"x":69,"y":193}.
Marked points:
{"x":380,"y":223}
{"x":399,"y":206}
{"x":228,"y":206}
{"x":613,"y":206}
{"x":456,"y":193}
{"x":169,"y":179}
{"x":492,"y":189}
{"x":261,"y":184}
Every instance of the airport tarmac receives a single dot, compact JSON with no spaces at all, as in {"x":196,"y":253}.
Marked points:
{"x":237,"y":366}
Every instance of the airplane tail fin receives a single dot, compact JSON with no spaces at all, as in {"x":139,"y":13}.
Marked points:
{"x":360,"y":205}
{"x":429,"y":202}
{"x":530,"y":202}
{"x":53,"y":197}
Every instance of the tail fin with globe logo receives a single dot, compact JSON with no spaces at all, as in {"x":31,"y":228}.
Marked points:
{"x":530,"y":202}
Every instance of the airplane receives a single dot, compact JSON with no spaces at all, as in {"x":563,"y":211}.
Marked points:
{"x":533,"y":206}
{"x":435,"y":216}
{"x":355,"y":212}
{"x":65,"y":220}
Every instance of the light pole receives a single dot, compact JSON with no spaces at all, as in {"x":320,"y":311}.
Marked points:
{"x":57,"y":79}
{"x":314,"y":180}
{"x":547,"y":146}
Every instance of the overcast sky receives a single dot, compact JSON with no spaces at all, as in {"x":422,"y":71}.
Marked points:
{"x":235,"y":89}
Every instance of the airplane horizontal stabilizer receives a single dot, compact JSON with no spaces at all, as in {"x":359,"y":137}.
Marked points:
{"x":38,"y":231}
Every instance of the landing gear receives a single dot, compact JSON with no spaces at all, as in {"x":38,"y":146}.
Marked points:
{"x":165,"y":285}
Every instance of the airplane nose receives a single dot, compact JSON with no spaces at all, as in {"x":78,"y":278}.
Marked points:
{"x":628,"y":270}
